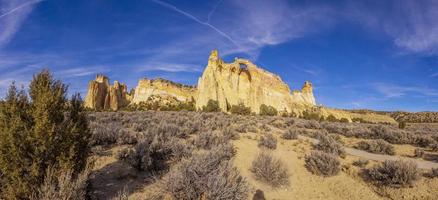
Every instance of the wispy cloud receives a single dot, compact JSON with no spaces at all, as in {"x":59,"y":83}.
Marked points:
{"x":250,"y":25}
{"x":411,"y":24}
{"x":394,"y":91}
{"x":169,"y":67}
{"x":12,"y":15}
{"x":434,"y":74}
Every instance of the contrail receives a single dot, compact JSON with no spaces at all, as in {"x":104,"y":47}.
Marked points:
{"x":19,"y":7}
{"x":213,"y":10}
{"x":196,"y":20}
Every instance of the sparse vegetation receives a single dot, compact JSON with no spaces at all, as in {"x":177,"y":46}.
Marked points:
{"x":329,"y":145}
{"x":268,"y":110}
{"x":376,"y":146}
{"x":207,"y":175}
{"x":393,"y":173}
{"x":323,"y":164}
{"x":290,"y":134}
{"x":361,"y":162}
{"x":270,"y":170}
{"x":240,"y":109}
{"x":268,"y":141}
{"x":212,"y":106}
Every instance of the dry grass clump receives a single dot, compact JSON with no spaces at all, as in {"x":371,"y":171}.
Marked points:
{"x":393,"y":173}
{"x":207,"y":175}
{"x":419,"y":153}
{"x":376,"y":146}
{"x":268,"y":141}
{"x":209,"y":139}
{"x":62,"y":184}
{"x":270,"y":170}
{"x":361,"y":162}
{"x":322,"y":164}
{"x":153,"y":154}
{"x":433,"y":173}
{"x":329,"y":145}
{"x":291,"y":134}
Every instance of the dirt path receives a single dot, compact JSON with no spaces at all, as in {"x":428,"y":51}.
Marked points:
{"x":422,"y":164}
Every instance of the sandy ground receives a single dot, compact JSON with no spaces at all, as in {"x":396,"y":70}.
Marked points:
{"x":303,"y":184}
{"x":111,"y":176}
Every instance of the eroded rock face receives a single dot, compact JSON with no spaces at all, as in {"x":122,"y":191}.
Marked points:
{"x":101,"y":95}
{"x":243,"y":82}
{"x":160,"y":87}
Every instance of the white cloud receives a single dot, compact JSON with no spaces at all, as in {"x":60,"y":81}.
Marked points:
{"x":169,"y":67}
{"x":12,"y":14}
{"x":411,"y":24}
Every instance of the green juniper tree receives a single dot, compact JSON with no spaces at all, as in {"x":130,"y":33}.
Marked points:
{"x":37,"y":131}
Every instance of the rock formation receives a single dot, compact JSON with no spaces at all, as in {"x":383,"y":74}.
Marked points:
{"x":243,"y":82}
{"x":101,"y":95}
{"x":160,"y":87}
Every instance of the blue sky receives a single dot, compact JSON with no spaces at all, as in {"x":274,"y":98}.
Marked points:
{"x":380,"y":55}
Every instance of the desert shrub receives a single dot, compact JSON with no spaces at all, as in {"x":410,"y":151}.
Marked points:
{"x":63,"y":184}
{"x":268,"y":110}
{"x":329,"y":145}
{"x":212,"y":106}
{"x":331,"y":118}
{"x":268,"y":141}
{"x":424,"y":140}
{"x":360,"y":162}
{"x":344,"y":120}
{"x":312,"y":124}
{"x":323,"y":164}
{"x":418,"y":152}
{"x":209,"y":139}
{"x":402,"y":125}
{"x":376,"y":146}
{"x":152,"y":154}
{"x":290,"y":134}
{"x":270,"y":170}
{"x":209,"y":175}
{"x":240,"y":109}
{"x":311,"y":115}
{"x":44,"y":130}
{"x":393,"y":173}
{"x":433,"y":173}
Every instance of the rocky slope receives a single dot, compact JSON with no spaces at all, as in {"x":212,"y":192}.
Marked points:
{"x":243,"y":82}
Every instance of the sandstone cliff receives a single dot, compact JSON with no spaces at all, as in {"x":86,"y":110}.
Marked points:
{"x":160,"y":87}
{"x":101,"y":95}
{"x":243,"y":82}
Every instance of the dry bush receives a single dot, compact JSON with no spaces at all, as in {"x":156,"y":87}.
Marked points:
{"x":209,"y":139}
{"x":433,"y":173}
{"x":62,"y":185}
{"x":208,"y":175}
{"x":329,"y":145}
{"x":269,"y":141}
{"x":393,"y":173}
{"x":424,"y":140}
{"x":323,"y":164}
{"x":291,"y":134}
{"x":419,"y":153}
{"x":152,"y":154}
{"x":361,"y":162}
{"x":376,"y":146}
{"x":270,"y":170}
